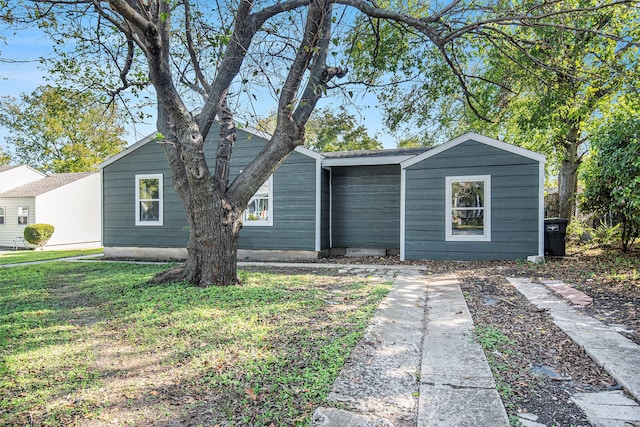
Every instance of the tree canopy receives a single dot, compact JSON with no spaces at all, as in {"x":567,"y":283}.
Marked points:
{"x":61,"y":130}
{"x":539,"y":87}
{"x":612,"y":175}
{"x":5,"y":159}
{"x":228,"y":57}
{"x":328,"y":130}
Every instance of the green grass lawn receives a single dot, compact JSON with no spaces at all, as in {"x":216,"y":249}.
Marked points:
{"x":15,"y":257}
{"x":94,"y":341}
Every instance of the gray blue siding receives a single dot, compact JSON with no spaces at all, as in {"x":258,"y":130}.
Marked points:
{"x":514,"y":204}
{"x":294,"y":204}
{"x":366,"y":206}
{"x":118,"y":195}
{"x":294,"y":207}
{"x":325,"y":230}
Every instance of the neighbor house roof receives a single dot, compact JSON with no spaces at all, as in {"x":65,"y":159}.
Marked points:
{"x":45,"y":185}
{"x":6,"y":167}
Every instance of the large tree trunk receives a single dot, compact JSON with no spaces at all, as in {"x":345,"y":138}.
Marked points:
{"x":213,"y":245}
{"x":214,"y":222}
{"x":568,"y":175}
{"x":212,"y":249}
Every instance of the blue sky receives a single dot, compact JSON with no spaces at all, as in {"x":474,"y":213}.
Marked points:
{"x":20,"y":72}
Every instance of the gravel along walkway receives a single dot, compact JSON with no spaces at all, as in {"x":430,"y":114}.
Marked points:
{"x":619,"y":356}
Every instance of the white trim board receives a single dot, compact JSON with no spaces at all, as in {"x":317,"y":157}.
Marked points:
{"x":403,"y":198}
{"x":471,"y":136}
{"x":365,"y":160}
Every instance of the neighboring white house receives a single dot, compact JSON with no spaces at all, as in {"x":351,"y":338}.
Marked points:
{"x":15,"y":176}
{"x":68,"y":201}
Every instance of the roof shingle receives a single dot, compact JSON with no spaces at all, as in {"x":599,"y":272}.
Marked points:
{"x":45,"y":185}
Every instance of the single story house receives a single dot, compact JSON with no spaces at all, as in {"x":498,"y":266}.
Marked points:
{"x":68,"y":201}
{"x":472,"y":198}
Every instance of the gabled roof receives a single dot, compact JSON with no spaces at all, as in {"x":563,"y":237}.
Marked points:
{"x":45,"y":185}
{"x":471,"y":136}
{"x":5,"y":168}
{"x":405,"y":157}
{"x":249,"y":130}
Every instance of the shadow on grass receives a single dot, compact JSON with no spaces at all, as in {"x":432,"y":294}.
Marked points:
{"x":95,"y":341}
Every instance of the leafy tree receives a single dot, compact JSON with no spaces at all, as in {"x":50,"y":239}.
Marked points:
{"x":328,"y":131}
{"x":536,"y":87}
{"x":222,"y":51}
{"x":556,"y":111}
{"x":338,"y":132}
{"x":5,"y":159}
{"x":612,"y":175}
{"x":61,"y":130}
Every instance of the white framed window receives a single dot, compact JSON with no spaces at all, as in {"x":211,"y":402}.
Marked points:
{"x":259,"y":211}
{"x":149,"y":199}
{"x":3,"y":216}
{"x":23,"y":215}
{"x":468,"y":206}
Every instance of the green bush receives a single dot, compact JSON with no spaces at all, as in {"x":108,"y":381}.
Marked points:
{"x":38,"y":234}
{"x":578,"y":231}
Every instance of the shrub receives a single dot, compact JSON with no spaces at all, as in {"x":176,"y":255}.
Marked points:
{"x":612,"y":175}
{"x":38,"y":234}
{"x":578,"y":231}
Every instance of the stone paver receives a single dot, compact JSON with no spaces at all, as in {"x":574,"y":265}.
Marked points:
{"x":456,"y":384}
{"x":609,"y":408}
{"x":619,"y":356}
{"x":569,"y":293}
{"x":332,"y":417}
{"x":379,"y":383}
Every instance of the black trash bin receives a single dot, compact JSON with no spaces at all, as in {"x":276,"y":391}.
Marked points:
{"x":555,"y":231}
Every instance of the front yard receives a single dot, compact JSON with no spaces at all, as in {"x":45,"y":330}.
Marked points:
{"x":93,"y":343}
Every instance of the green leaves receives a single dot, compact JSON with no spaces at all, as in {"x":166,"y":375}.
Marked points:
{"x":61,"y":130}
{"x":331,"y":131}
{"x":612,"y":175}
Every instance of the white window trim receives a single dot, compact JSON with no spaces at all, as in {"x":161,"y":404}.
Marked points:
{"x":486,"y":237}
{"x":4,"y":215}
{"x":269,"y":221}
{"x":160,"y":196}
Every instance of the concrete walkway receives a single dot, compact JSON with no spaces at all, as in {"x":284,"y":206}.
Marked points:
{"x":619,"y":356}
{"x":418,"y":364}
{"x":456,"y":384}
